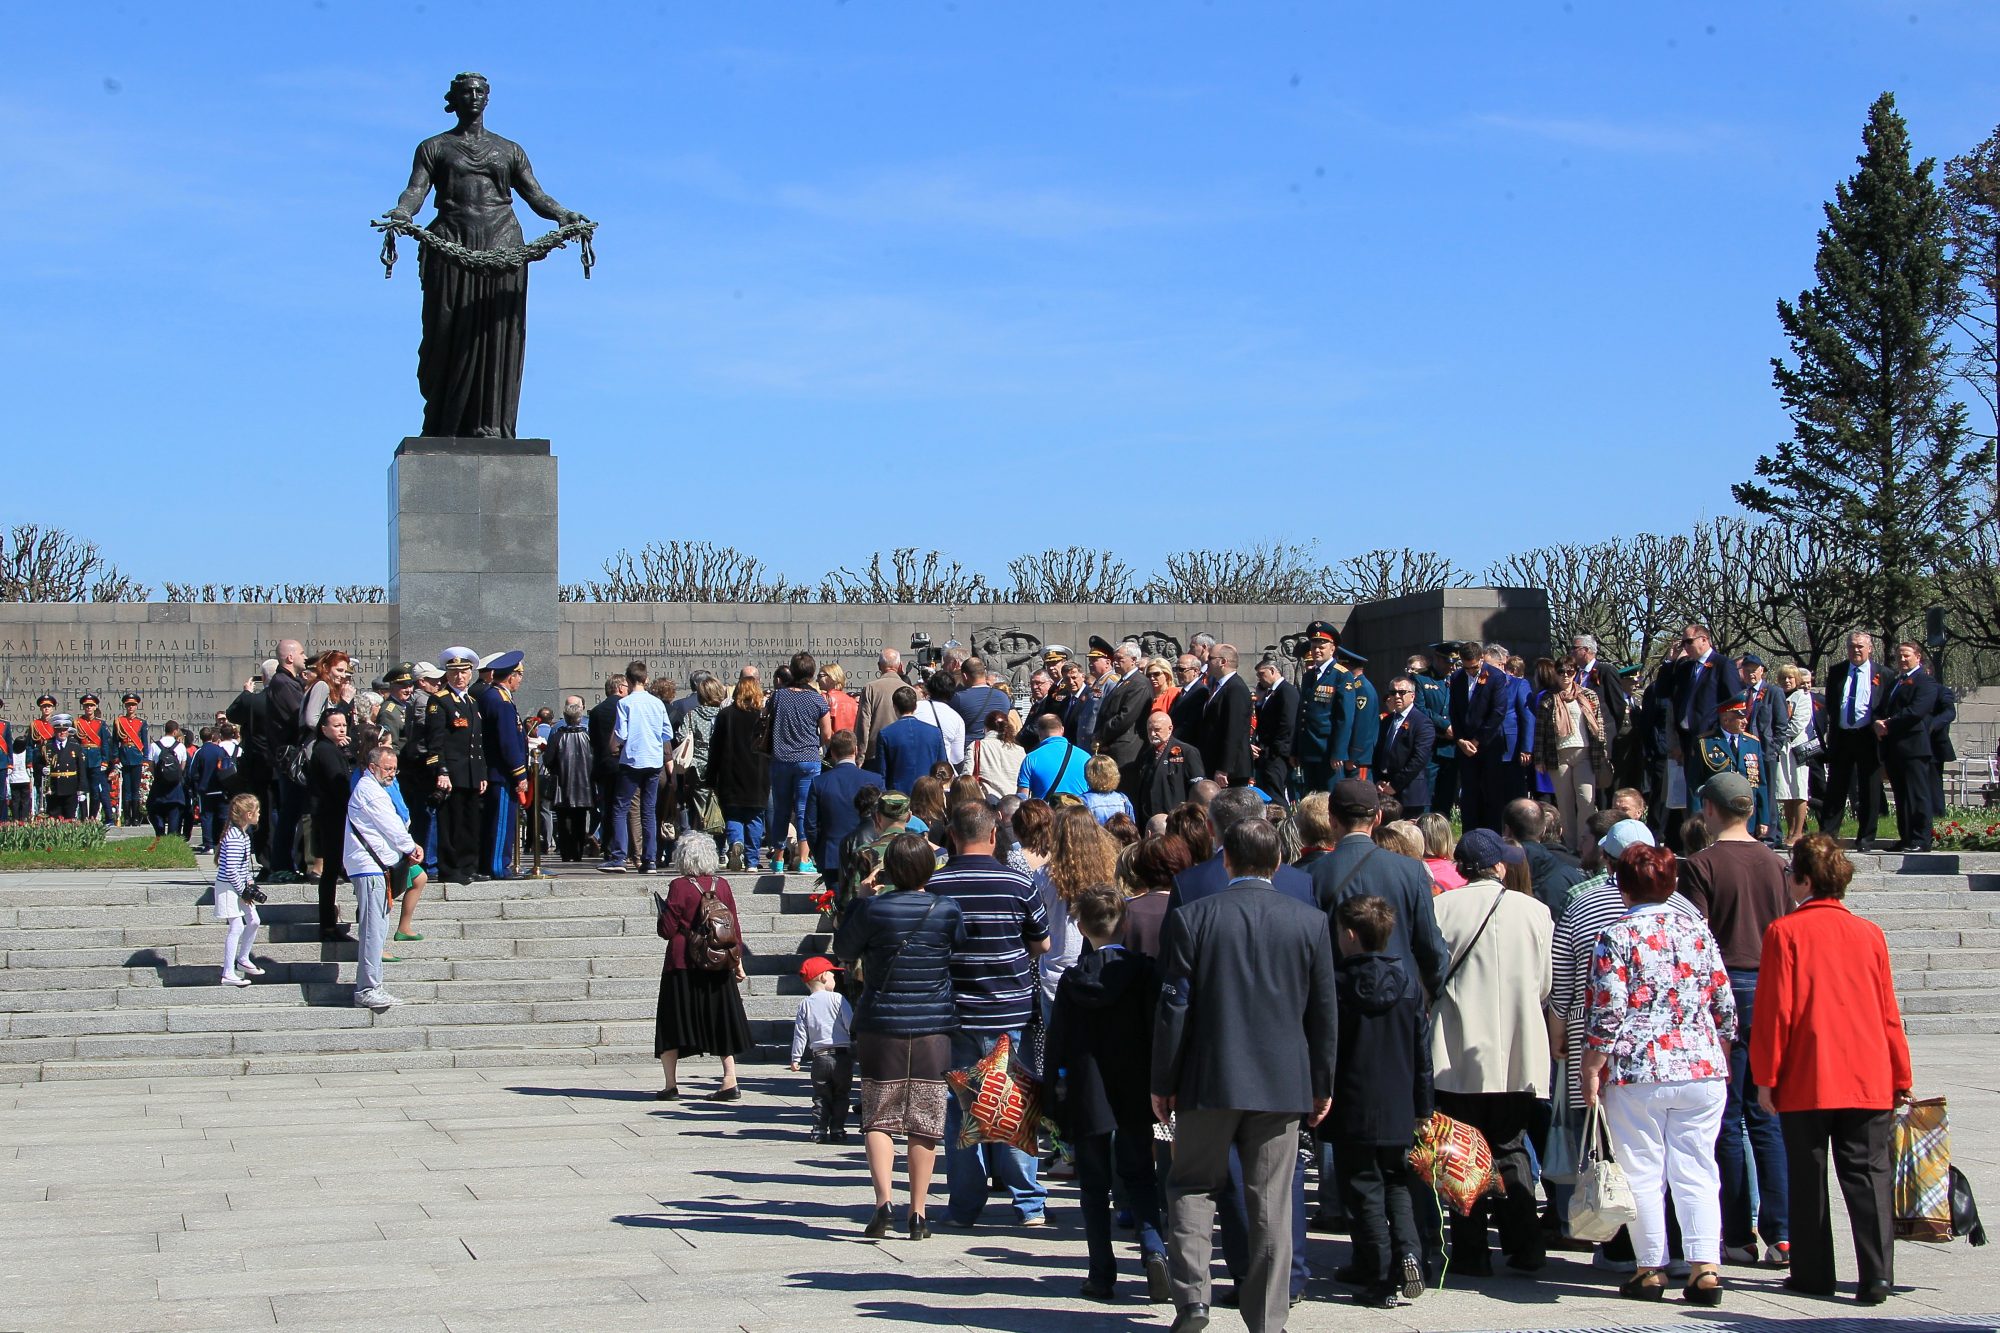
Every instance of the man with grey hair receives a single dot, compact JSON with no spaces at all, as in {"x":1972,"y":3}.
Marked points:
{"x":284,"y":700}
{"x":1603,"y":680}
{"x":1855,"y":691}
{"x":1121,"y":723}
{"x":371,"y":851}
{"x":877,"y":707}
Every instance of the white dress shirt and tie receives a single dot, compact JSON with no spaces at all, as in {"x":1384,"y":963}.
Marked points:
{"x":1853,"y":761}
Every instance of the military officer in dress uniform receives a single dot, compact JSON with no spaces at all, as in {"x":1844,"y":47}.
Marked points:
{"x":413,"y":774}
{"x":398,"y":683}
{"x":455,"y":756}
{"x":130,"y":737}
{"x":506,"y":767}
{"x":1321,"y":701}
{"x":62,"y":766}
{"x":1738,"y":751}
{"x":41,"y":730}
{"x":94,"y":733}
{"x":1428,"y":671}
{"x":1364,"y":712}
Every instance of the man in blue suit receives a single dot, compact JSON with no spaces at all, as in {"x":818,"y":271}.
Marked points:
{"x":1402,"y":763}
{"x":906,"y":749}
{"x":830,"y":814}
{"x":506,"y":765}
{"x":1703,"y":678}
{"x":1231,"y":807}
{"x":1903,"y":733}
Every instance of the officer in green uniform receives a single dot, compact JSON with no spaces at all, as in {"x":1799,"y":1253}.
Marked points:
{"x":1321,"y":760}
{"x":1364,"y":712}
{"x":398,"y":683}
{"x":455,"y":756}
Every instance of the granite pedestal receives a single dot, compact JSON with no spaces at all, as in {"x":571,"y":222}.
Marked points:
{"x":472,"y":553}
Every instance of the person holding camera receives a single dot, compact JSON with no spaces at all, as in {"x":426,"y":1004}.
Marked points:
{"x":375,"y":848}
{"x":236,"y":898}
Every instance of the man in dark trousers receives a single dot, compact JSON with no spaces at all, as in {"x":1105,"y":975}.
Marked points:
{"x":455,"y":754}
{"x":506,"y":768}
{"x":1244,"y":1047}
{"x":1903,"y":736}
{"x":1357,"y":868}
{"x":1854,"y":691}
{"x":603,"y":719}
{"x":1225,"y":720}
{"x":1166,"y":771}
{"x":1403,"y":749}
{"x":1277,"y":712}
{"x":1486,"y":739}
{"x":284,"y":700}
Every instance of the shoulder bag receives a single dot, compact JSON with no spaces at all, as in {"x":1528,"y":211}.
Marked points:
{"x":1473,"y":943}
{"x":889,"y":968}
{"x":1603,"y":1201}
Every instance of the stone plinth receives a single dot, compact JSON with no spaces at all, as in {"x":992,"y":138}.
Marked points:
{"x":472,"y":552}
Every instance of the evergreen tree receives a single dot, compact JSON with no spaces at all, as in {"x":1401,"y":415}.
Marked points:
{"x":1879,"y":455}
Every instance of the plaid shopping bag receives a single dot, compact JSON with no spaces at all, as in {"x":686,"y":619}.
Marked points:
{"x":1921,"y":1195}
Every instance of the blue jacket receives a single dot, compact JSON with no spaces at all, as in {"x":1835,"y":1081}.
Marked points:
{"x":1364,"y":725}
{"x":506,"y":747}
{"x":1434,"y":698}
{"x":830,"y":813}
{"x":903,"y":942}
{"x":905,"y":750}
{"x":1211,"y":876}
{"x":1521,"y":705}
{"x":211,"y":768}
{"x":1489,"y":717}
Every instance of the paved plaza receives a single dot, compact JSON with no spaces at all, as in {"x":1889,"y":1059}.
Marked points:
{"x":565,"y":1198}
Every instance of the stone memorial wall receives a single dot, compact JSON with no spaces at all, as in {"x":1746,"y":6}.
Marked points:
{"x":189,"y":659}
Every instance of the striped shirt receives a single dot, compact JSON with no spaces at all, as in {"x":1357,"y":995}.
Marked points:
{"x":232,"y":861}
{"x":992,"y":976}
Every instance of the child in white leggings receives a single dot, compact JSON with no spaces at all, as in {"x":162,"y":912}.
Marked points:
{"x":234,"y":906}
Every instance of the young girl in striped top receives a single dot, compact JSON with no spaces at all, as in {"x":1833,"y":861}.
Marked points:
{"x":236,"y":898}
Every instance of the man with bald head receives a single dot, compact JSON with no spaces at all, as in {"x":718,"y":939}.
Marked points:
{"x":284,"y":699}
{"x":1225,"y":720}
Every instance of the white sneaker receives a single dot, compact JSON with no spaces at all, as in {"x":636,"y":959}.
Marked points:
{"x":1778,"y":1255}
{"x":231,"y":979}
{"x":376,"y":999}
{"x":249,"y":969}
{"x":1740,"y":1254}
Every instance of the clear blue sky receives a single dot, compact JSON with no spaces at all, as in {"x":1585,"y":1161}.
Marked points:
{"x":976,"y":276}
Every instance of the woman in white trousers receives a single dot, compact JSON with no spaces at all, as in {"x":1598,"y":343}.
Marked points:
{"x":1657,"y":1053}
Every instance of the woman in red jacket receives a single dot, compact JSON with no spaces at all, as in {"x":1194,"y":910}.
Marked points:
{"x":1828,"y":1055}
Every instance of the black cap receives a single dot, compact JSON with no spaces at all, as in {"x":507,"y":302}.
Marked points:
{"x":1099,"y":646}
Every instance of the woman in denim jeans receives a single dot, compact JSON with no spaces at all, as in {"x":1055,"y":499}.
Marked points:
{"x":801,"y":725}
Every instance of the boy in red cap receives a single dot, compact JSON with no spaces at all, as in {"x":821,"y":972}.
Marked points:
{"x":822,"y":1028}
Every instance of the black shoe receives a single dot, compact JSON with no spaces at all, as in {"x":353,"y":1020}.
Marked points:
{"x":1413,"y":1277}
{"x":1226,"y":1298}
{"x":1694,"y":1293}
{"x":728,"y":1094}
{"x":1190,"y":1319}
{"x":836,"y":1136}
{"x":1480,"y":1265}
{"x":1527,"y":1263}
{"x":878,"y":1225}
{"x":672,"y":1094}
{"x":1874,"y":1293}
{"x":336,"y":935}
{"x":1095,"y":1290}
{"x":822,"y":1136}
{"x":1327,"y":1224}
{"x":480,"y":877}
{"x":1381,"y":1296}
{"x":1864,"y":844}
{"x":461,"y":879}
{"x":1297,"y":1296}
{"x":1159,"y":1283}
{"x":1353,"y":1275}
{"x":1799,"y":1287}
{"x":920,"y":1227}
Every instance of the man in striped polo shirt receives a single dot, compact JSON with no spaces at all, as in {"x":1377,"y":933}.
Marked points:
{"x":993,"y":981}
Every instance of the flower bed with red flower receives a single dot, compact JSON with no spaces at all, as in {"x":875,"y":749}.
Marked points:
{"x":51,"y":835}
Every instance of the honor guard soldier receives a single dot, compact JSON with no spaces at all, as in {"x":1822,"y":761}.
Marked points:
{"x":94,"y":733}
{"x":396,"y":686}
{"x":506,"y":766}
{"x":455,"y":756}
{"x":1097,"y":681}
{"x":413,"y":775}
{"x":129,"y":735}
{"x":1322,"y":702}
{"x":43,"y":728}
{"x":1364,"y":712}
{"x":62,"y":765}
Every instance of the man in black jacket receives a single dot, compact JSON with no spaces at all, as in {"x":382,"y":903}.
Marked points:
{"x":1702,"y":680}
{"x":603,"y":718}
{"x":1243,"y":1049}
{"x":1357,"y":868}
{"x":1225,"y":720}
{"x":1121,"y":721}
{"x":1277,"y":710}
{"x":1166,"y":769}
{"x":1403,"y":750}
{"x":253,"y":758}
{"x":284,"y":700}
{"x":1903,"y":733}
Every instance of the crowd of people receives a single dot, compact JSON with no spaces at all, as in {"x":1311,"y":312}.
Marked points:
{"x":1210,"y":916}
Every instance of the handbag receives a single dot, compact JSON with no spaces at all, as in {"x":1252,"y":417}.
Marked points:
{"x":707,"y":810}
{"x":1603,"y":1201}
{"x":1559,"y":1162}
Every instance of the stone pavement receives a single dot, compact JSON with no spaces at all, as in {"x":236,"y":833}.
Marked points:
{"x":547,"y":1199}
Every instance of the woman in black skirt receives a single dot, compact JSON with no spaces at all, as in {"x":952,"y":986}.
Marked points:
{"x":903,"y":938}
{"x":701,"y":1010}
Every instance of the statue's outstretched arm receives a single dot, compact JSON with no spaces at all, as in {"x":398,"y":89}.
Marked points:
{"x":412,"y":197}
{"x":537,"y":198}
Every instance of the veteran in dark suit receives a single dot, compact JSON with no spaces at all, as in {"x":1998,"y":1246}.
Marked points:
{"x":1243,"y":1051}
{"x":455,"y":755}
{"x":1165,"y":770}
{"x":1903,"y":737}
{"x":1403,"y":751}
{"x":1121,"y":722}
{"x":1854,"y":693}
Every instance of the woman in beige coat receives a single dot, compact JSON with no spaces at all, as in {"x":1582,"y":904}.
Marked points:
{"x":1490,"y":1051}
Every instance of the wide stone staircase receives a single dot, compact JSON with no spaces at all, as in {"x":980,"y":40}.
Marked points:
{"x":113,"y":975}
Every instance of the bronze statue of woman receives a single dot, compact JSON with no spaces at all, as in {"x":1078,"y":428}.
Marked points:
{"x":475,"y":319}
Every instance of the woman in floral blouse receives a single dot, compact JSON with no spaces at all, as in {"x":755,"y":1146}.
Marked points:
{"x":1661,"y":1020}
